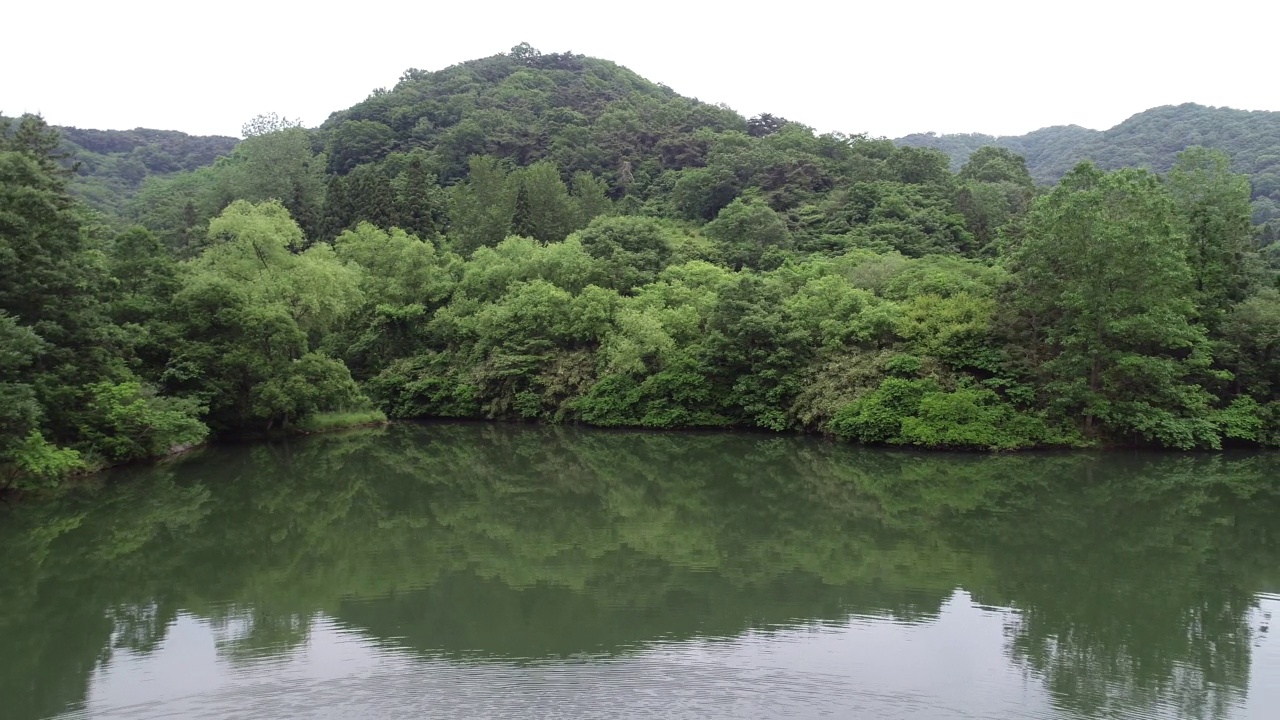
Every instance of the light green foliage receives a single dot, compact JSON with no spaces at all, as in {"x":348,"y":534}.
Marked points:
{"x":310,"y":384}
{"x":829,"y":309}
{"x":33,"y":463}
{"x":970,"y":419}
{"x":491,"y":270}
{"x":953,"y":329}
{"x":590,"y":194}
{"x":251,"y":312}
{"x":129,"y":422}
{"x":878,"y":417}
{"x":276,"y":162}
{"x":402,"y":279}
{"x":319,"y":422}
{"x":396,"y":267}
{"x":252,"y":246}
{"x":278,"y":165}
{"x":1244,"y":419}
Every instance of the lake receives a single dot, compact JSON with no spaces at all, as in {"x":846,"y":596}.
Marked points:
{"x":499,"y":571}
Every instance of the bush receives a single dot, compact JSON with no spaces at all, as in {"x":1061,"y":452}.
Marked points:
{"x":127,"y":421}
{"x":919,"y":412}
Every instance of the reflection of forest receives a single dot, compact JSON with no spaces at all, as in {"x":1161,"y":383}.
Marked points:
{"x":1133,"y":576}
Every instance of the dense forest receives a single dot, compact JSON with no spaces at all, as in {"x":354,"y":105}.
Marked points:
{"x":550,"y":237}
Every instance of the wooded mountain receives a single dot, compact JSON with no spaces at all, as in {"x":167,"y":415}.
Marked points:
{"x":1151,"y":139}
{"x":111,"y":165}
{"x":550,"y":237}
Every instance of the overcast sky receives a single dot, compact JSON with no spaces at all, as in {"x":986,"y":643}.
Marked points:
{"x":885,"y":68}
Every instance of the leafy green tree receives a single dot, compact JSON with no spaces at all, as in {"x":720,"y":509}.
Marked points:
{"x":279,"y":165}
{"x":590,"y":194}
{"x":765,"y":124}
{"x":1105,"y":286}
{"x":481,"y":209}
{"x":145,"y":276}
{"x":1214,"y":205}
{"x":268,"y":123}
{"x":421,"y":204}
{"x":920,"y":166}
{"x":991,"y":164}
{"x":20,"y":411}
{"x":402,"y":279}
{"x":127,"y":421}
{"x":250,"y":310}
{"x":358,"y":141}
{"x":1252,"y":348}
{"x":750,"y":233}
{"x":633,"y":249}
{"x":544,"y":210}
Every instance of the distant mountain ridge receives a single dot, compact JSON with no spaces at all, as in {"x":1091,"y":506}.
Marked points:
{"x":112,"y":164}
{"x":1151,"y":139}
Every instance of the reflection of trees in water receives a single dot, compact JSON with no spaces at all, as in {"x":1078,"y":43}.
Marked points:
{"x":1113,"y":668}
{"x":1150,"y":597}
{"x":1132,"y":576}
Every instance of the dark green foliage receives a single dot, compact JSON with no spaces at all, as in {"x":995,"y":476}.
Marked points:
{"x":357,"y":142}
{"x":991,"y":164}
{"x":111,"y":165}
{"x":60,"y":302}
{"x":750,"y":234}
{"x":1104,"y":277}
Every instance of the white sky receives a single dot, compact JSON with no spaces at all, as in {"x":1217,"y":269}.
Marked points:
{"x":887,"y":68}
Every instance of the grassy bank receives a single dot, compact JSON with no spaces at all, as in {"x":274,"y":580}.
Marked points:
{"x":320,"y":422}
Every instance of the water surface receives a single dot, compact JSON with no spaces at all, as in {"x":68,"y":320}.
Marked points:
{"x":507,"y":571}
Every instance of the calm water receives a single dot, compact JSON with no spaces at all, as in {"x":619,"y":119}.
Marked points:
{"x":499,"y":571}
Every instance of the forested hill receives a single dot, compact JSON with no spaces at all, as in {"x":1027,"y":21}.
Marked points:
{"x":112,"y":164}
{"x":550,"y":237}
{"x":1151,"y":139}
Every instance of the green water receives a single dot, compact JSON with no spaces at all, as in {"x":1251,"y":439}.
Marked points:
{"x":525,"y":572}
